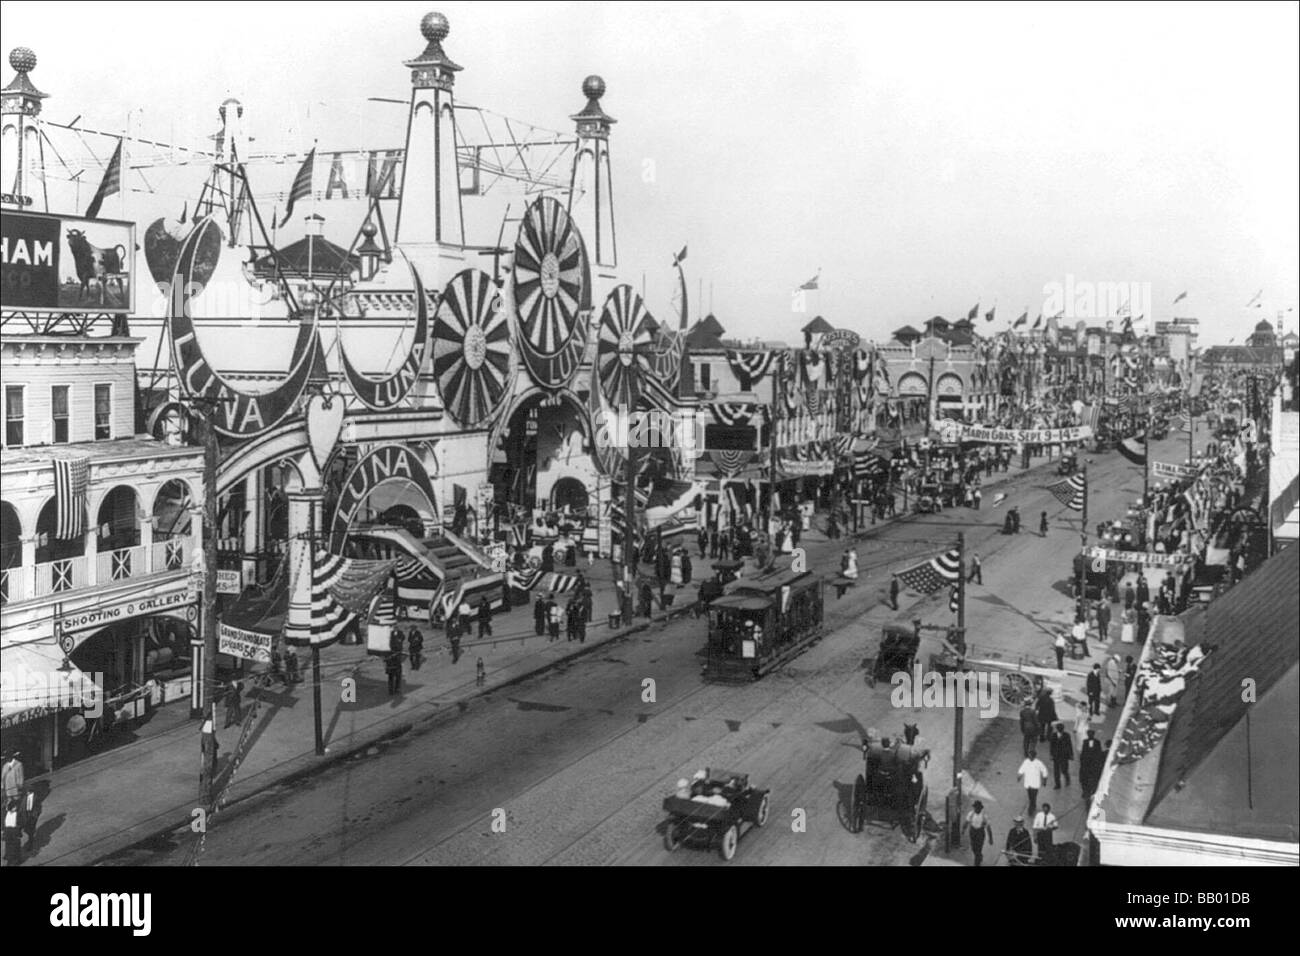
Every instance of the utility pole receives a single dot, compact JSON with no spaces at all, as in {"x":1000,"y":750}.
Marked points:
{"x":200,"y":412}
{"x":315,"y":645}
{"x":959,"y":711}
{"x":1083,"y":540}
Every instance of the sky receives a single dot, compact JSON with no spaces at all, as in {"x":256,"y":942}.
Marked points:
{"x":919,"y":158}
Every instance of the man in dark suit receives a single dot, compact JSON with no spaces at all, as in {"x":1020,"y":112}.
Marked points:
{"x":1092,"y":757}
{"x":1103,"y":620}
{"x":1062,"y":750}
{"x":1094,"y":690}
{"x":539,"y":615}
{"x":893,"y":592}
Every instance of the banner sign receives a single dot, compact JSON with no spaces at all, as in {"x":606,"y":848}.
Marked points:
{"x":230,"y":582}
{"x":841,"y":339}
{"x":1161,"y":469}
{"x":1147,"y":559}
{"x":954,"y":431}
{"x":171,"y":603}
{"x":66,"y":264}
{"x":249,"y":645}
{"x":386,"y":463}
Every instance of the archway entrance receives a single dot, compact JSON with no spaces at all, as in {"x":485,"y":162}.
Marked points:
{"x":569,"y":493}
{"x":546,"y":441}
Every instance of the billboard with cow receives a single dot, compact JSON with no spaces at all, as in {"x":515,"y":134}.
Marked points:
{"x":66,"y":264}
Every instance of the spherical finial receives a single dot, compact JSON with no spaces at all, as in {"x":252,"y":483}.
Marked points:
{"x":369,"y":229}
{"x":593,"y":87}
{"x":435,"y":27}
{"x":22,"y":59}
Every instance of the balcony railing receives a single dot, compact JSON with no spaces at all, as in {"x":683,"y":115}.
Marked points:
{"x":71,"y":574}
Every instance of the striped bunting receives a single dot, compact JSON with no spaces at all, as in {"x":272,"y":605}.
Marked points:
{"x":952,"y":599}
{"x":928,"y":576}
{"x":1134,"y":449}
{"x":71,"y":477}
{"x":524,"y":580}
{"x":751,"y":365}
{"x":341,"y":588}
{"x":867,"y":463}
{"x":730,"y":463}
{"x":733,"y":413}
{"x":1070,"y":491}
{"x":1184,"y":421}
{"x":862,"y":364}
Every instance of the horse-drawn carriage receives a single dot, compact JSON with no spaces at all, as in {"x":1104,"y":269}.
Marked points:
{"x":893,"y":783}
{"x":897,"y":652}
{"x":927,"y":498}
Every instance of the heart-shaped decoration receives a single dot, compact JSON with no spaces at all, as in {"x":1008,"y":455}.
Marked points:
{"x":162,"y":247}
{"x":324,"y":423}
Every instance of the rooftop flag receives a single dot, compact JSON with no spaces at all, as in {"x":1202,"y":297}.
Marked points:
{"x":988,"y":316}
{"x":301,"y":188}
{"x":812,"y":283}
{"x":1180,"y":297}
{"x":974,"y":313}
{"x":1024,"y":317}
{"x":110,"y":184}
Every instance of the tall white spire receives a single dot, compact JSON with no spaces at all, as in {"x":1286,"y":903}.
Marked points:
{"x":429,"y":211}
{"x":591,"y":192}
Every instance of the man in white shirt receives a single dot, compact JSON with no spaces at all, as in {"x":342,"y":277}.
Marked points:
{"x":1032,"y":773}
{"x":1045,"y":824}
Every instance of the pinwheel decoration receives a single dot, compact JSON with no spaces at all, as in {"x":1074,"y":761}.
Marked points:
{"x":471,"y":348}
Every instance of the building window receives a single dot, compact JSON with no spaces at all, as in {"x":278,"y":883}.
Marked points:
{"x":103,"y":412}
{"x":705,"y":371}
{"x":14,"y":414}
{"x":59,"y":413}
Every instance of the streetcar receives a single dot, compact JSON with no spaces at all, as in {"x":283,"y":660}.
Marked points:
{"x":762,"y":623}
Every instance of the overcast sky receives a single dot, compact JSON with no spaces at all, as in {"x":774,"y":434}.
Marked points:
{"x":923,"y":158}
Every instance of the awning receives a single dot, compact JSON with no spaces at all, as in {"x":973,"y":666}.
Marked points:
{"x":33,"y":683}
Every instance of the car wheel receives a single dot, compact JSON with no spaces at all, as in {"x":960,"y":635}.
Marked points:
{"x":730,"y":838}
{"x":760,"y":817}
{"x":672,"y":836}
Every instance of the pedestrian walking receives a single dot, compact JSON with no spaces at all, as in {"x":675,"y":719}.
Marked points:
{"x":976,"y":569}
{"x":1059,"y":646}
{"x":484,"y":619}
{"x":480,"y":673}
{"x":1103,"y":621}
{"x":393,"y":668}
{"x":415,"y":643}
{"x":13,"y":834}
{"x":702,"y":542}
{"x":1045,"y":824}
{"x":1129,"y":596}
{"x":12,"y":776}
{"x":977,"y":823}
{"x":291,"y":672}
{"x":208,"y":748}
{"x":1042,"y":525}
{"x":1130,"y":672}
{"x":539,"y":616}
{"x":977,"y":496}
{"x":1045,"y":711}
{"x":1093,"y":685}
{"x":234,"y":705}
{"x":553,"y":615}
{"x":1028,"y":727}
{"x":1032,"y":774}
{"x":1061,"y":749}
{"x":893,"y":592}
{"x":1020,"y":845}
{"x":1092,"y":757}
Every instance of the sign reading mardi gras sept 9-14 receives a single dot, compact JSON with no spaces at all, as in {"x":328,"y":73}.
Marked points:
{"x":952,"y":431}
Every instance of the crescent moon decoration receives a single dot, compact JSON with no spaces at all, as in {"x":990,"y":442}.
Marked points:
{"x":550,"y":287}
{"x":471,"y":348}
{"x":380,"y":394}
{"x":667,"y":359}
{"x":235,"y":414}
{"x":625,"y":348}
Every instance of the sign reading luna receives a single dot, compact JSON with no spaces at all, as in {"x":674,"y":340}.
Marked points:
{"x":236,"y":414}
{"x":384,"y":393}
{"x":952,"y":431}
{"x":386,"y":463}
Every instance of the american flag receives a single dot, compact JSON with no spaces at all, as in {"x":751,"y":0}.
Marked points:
{"x":71,"y":476}
{"x":1091,"y":413}
{"x":1184,"y":421}
{"x":301,"y":187}
{"x":1070,"y":491}
{"x":928,"y":576}
{"x":110,"y":184}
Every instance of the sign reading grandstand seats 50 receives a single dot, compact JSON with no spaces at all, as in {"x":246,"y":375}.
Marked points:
{"x":66,"y":264}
